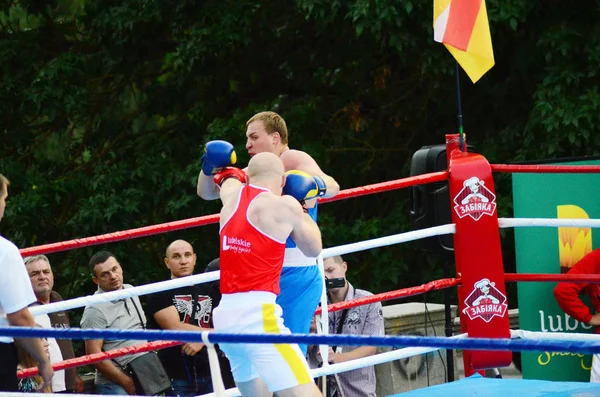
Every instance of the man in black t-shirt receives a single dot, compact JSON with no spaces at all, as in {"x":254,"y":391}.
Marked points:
{"x":185,"y":308}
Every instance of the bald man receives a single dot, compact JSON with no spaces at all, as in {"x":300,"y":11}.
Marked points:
{"x":254,"y":224}
{"x":186,"y":308}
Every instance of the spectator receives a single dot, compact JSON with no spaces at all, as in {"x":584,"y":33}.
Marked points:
{"x":15,"y":295}
{"x":42,"y":281}
{"x":360,"y":320}
{"x":120,"y":314}
{"x":186,"y":308}
{"x":568,"y":297}
{"x":24,"y":361}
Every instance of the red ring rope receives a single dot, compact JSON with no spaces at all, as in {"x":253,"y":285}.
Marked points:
{"x":387,"y":186}
{"x":543,"y":169}
{"x":214,"y":218}
{"x":401,"y":293}
{"x":571,"y":278}
{"x":94,"y":358}
{"x":454,"y":282}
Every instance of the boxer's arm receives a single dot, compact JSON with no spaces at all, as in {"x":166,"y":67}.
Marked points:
{"x":206,"y":187}
{"x":230,"y":189}
{"x":305,"y":233}
{"x":302,"y":161}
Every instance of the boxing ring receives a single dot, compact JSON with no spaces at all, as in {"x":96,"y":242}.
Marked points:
{"x":485,"y":339}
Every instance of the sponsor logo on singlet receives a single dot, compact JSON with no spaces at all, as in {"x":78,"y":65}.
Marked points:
{"x":236,"y":244}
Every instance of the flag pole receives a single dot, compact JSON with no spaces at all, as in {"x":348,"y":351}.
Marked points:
{"x":461,"y":137}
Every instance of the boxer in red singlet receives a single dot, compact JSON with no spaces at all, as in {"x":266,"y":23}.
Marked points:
{"x":255,"y":223}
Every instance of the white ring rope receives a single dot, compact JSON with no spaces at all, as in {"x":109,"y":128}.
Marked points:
{"x":547,"y":222}
{"x":125,"y":293}
{"x":389,"y":240}
{"x":536,"y":335}
{"x":147,"y":289}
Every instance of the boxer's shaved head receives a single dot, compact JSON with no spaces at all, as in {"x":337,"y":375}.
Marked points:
{"x":265,"y":166}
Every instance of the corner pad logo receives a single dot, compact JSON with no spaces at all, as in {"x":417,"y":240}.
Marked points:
{"x":474,"y":200}
{"x":485,"y":301}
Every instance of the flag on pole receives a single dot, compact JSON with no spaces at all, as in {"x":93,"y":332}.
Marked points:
{"x":463,"y":27}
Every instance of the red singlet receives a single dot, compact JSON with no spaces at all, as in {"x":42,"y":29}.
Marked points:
{"x":250,"y":260}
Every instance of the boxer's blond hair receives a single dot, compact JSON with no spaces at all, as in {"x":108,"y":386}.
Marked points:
{"x":273,"y":123}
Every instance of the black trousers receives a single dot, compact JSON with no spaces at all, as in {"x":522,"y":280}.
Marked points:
{"x":8,"y":367}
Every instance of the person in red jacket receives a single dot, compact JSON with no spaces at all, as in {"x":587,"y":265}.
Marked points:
{"x":568,"y":297}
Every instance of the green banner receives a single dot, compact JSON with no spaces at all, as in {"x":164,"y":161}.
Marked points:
{"x":553,"y":250}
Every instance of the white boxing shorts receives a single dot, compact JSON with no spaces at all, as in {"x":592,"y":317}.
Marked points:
{"x":280,"y":366}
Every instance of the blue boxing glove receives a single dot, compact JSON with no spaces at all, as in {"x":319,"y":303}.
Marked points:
{"x":217,"y":155}
{"x":303,"y":186}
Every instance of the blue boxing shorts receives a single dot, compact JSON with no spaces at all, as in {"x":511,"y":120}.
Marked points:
{"x":301,"y":286}
{"x":300,"y":293}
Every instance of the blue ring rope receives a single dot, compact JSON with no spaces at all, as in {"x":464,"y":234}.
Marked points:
{"x":587,"y":347}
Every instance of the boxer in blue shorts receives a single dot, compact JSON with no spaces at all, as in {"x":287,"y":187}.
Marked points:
{"x":301,"y":282}
{"x":301,"y":286}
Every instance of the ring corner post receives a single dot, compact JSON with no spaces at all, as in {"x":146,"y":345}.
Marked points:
{"x":482,"y":298}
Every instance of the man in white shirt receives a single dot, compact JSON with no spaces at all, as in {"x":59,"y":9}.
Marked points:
{"x":15,"y":295}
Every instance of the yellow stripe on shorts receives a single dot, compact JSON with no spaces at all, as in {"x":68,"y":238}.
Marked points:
{"x":286,"y":351}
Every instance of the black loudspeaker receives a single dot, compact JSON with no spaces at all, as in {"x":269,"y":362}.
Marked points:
{"x":430,"y":203}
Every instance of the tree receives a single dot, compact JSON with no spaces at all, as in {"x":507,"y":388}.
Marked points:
{"x":105,"y":107}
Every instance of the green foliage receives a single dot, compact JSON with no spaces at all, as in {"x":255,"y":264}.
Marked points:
{"x":105,"y":105}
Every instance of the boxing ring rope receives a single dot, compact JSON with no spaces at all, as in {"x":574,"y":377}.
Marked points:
{"x":590,"y":346}
{"x":546,"y":169}
{"x":124,"y":293}
{"x":214,"y":218}
{"x":96,"y":357}
{"x":344,"y":194}
{"x":547,"y":222}
{"x":493,"y":344}
{"x":557,"y":278}
{"x":435,"y":285}
{"x":521,"y":334}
